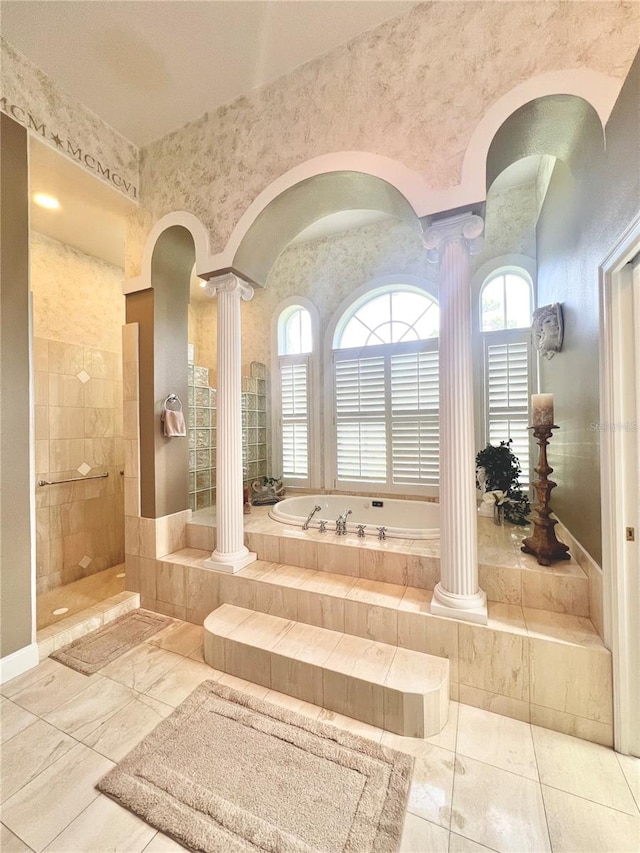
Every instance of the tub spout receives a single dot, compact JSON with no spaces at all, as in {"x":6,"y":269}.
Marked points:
{"x":316,"y":509}
{"x":341,"y":523}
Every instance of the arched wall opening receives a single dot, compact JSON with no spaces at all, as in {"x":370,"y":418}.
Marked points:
{"x":307,"y":202}
{"x":161,"y":312}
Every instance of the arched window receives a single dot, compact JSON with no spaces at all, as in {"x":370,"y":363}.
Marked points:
{"x":506,"y":303}
{"x":294,"y":331}
{"x":385,"y":360}
{"x":293,"y":399}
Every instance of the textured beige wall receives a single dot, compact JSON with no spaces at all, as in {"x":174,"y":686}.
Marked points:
{"x":77,"y":298}
{"x":413,"y":89}
{"x":34,"y":100}
{"x":583,"y":217}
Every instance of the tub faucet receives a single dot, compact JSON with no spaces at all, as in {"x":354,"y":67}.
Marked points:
{"x":322,"y":528}
{"x":341,"y":523}
{"x":316,"y":509}
{"x":382,"y":532}
{"x":361,"y":532}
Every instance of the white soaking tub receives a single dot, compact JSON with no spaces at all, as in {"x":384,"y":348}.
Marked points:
{"x":402,"y":519}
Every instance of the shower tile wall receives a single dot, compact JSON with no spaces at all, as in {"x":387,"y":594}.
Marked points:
{"x":78,"y":424}
{"x":202,"y":432}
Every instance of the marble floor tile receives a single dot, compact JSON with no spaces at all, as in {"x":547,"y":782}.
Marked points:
{"x":631,"y":769}
{"x":127,"y":727}
{"x":432,"y":782}
{"x":579,"y":824}
{"x":498,"y":809}
{"x":356,"y":727}
{"x":45,"y":669}
{"x":57,"y":796}
{"x":28,"y":754}
{"x":421,"y":835}
{"x":182,"y":638}
{"x":161,"y":843}
{"x":56,"y":688}
{"x":243,"y":685}
{"x":140,"y":667}
{"x":175,"y":685}
{"x":10,"y":843}
{"x":103,"y":825}
{"x":459,"y":844}
{"x":79,"y":595}
{"x":90,"y":708}
{"x":496,"y":740}
{"x":582,"y":768}
{"x":13,"y":719}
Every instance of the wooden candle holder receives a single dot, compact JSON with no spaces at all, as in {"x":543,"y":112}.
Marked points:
{"x":543,"y":543}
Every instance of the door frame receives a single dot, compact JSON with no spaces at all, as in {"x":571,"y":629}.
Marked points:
{"x":620,"y":625}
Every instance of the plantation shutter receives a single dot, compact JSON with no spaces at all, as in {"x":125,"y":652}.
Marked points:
{"x":361,"y":420}
{"x":507,"y":384}
{"x":294,"y":384}
{"x":415,"y":425}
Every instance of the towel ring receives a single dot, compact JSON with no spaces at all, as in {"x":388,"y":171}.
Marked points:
{"x":172,"y":400}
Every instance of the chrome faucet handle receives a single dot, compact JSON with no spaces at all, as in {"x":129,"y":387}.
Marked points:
{"x":361,"y":528}
{"x":323,"y":527}
{"x":382,"y":532}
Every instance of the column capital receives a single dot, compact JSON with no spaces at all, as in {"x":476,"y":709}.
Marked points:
{"x":466,"y":227}
{"x":228,"y":283}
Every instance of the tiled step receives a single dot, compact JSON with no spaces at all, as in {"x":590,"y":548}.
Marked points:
{"x":506,"y":574}
{"x":402,"y":691}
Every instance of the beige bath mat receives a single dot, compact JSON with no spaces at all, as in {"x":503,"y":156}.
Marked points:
{"x":90,"y":653}
{"x":229,"y":772}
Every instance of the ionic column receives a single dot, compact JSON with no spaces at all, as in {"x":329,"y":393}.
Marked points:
{"x":457,"y":595}
{"x":230,"y":554}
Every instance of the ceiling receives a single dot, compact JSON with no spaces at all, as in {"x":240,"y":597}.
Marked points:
{"x":150,"y":67}
{"x":91,"y":215}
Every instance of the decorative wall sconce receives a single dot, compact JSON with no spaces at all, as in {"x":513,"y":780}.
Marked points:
{"x":548,"y":329}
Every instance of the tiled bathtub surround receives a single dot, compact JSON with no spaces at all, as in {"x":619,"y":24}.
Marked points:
{"x":202,"y":432}
{"x":78,"y":431}
{"x":523,"y":664}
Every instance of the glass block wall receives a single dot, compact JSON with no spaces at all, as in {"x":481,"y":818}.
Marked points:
{"x":202,"y":432}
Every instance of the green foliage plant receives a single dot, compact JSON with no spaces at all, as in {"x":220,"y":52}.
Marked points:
{"x":502,"y":472}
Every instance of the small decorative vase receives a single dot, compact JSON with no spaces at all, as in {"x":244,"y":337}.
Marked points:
{"x":498,"y":514}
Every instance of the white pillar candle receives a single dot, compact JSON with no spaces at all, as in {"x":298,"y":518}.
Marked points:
{"x":542,"y":409}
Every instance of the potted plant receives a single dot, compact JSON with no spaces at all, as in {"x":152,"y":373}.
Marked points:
{"x":268,"y":490}
{"x":497,"y":476}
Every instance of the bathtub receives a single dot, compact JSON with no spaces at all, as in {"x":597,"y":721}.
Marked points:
{"x":403,"y":519}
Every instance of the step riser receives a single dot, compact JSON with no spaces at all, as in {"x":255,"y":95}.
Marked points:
{"x":556,"y":592}
{"x":407,"y":714}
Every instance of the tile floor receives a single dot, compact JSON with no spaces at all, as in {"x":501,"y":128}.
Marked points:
{"x":486,"y":782}
{"x":79,"y":595}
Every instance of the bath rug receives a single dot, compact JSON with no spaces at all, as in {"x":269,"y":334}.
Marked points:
{"x":229,"y":772}
{"x":90,"y":653}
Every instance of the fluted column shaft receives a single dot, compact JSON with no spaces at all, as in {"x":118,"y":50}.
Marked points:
{"x":230,"y":554}
{"x":457,"y":594}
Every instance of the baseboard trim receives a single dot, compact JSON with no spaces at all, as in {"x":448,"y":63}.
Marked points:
{"x":18,"y":662}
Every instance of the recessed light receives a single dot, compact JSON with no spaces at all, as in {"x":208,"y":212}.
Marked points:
{"x":46,"y":201}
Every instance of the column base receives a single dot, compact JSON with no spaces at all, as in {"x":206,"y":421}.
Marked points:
{"x":230,"y":563}
{"x":467,"y":608}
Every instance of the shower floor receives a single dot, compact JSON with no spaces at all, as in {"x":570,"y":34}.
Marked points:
{"x":78,"y":596}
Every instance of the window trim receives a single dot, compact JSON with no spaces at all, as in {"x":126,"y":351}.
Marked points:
{"x":519,"y":264}
{"x":332,"y":334}
{"x":314,"y":403}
